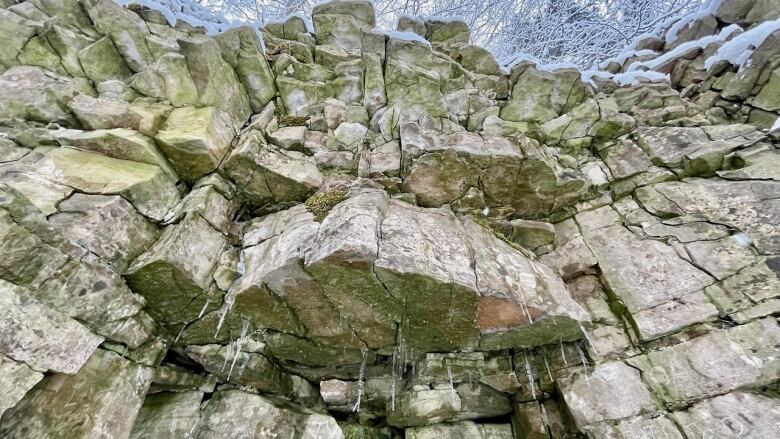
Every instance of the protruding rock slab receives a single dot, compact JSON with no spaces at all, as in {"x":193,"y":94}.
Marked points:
{"x":613,"y":391}
{"x":101,"y":400}
{"x":175,"y":274}
{"x":375,"y":267}
{"x":36,"y":94}
{"x":195,"y":140}
{"x":119,"y":143}
{"x":42,"y":338}
{"x":147,"y":187}
{"x":107,"y":225}
{"x":715,"y":363}
{"x":739,"y":414}
{"x":234,"y":413}
{"x":168,"y":414}
{"x":265,"y":173}
{"x":16,"y":380}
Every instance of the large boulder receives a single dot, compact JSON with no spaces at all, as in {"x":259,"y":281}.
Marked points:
{"x":243,"y":50}
{"x":216,"y":81}
{"x":195,"y":140}
{"x":36,"y":94}
{"x":41,"y":338}
{"x":147,"y":187}
{"x":127,"y":30}
{"x":518,"y":173}
{"x":236,"y":413}
{"x":266,"y":173}
{"x":383,"y":264}
{"x":63,"y":276}
{"x":101,"y":400}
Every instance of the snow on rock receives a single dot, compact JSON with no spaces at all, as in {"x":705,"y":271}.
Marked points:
{"x":189,"y":12}
{"x":740,"y":49}
{"x":407,"y":36}
{"x":623,"y":56}
{"x":706,"y":9}
{"x":685,"y":47}
{"x":627,"y":78}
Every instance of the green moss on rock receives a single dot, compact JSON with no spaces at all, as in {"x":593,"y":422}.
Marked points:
{"x":320,"y":204}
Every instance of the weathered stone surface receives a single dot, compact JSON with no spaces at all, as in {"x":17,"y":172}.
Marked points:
{"x":147,"y":187}
{"x":17,"y":379}
{"x":168,"y":414}
{"x":43,"y":339}
{"x":119,"y":143}
{"x":15,"y":31}
{"x":126,"y":29}
{"x":101,"y":400}
{"x":539,"y":96}
{"x":661,"y":426}
{"x":243,"y":50}
{"x":175,"y":274}
{"x":613,"y":391}
{"x":95,"y":113}
{"x":719,"y":362}
{"x":697,"y":151}
{"x":644,"y":274}
{"x":195,"y":140}
{"x":749,"y":206}
{"x":461,"y":430}
{"x":232,"y":412}
{"x":107,"y":225}
{"x":735,"y":414}
{"x":36,"y":94}
{"x":101,"y":61}
{"x":532,"y":234}
{"x":521,"y":174}
{"x":216,"y":81}
{"x":62,"y":276}
{"x":266,"y":174}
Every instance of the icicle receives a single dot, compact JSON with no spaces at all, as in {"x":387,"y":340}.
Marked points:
{"x":530,"y":374}
{"x":547,"y":366}
{"x":587,"y":337}
{"x":228,"y":350}
{"x":240,"y":265}
{"x":584,"y":363}
{"x":239,"y":345}
{"x":392,"y":384}
{"x":582,"y":357}
{"x":452,"y":385}
{"x":361,"y":384}
{"x":181,"y":331}
{"x":524,"y":306}
{"x":224,"y":312}
{"x":205,"y":306}
{"x":545,"y":419}
{"x":563,"y":353}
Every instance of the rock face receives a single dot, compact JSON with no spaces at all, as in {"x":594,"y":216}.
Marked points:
{"x":331,"y":232}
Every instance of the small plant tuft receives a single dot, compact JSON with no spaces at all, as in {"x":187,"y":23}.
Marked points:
{"x":286,"y":120}
{"x":320,"y":204}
